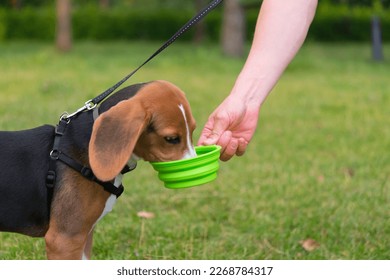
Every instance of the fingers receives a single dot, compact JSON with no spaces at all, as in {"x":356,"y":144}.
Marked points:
{"x":206,"y":137}
{"x":211,"y":139}
{"x":242,"y":144}
{"x":216,"y":132}
{"x":231,"y":146}
{"x":213,"y":131}
{"x":226,"y":146}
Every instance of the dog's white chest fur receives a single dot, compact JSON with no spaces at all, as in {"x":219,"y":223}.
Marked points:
{"x":118,"y":181}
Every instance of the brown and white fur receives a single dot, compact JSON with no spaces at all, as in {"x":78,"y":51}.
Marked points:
{"x":150,"y":121}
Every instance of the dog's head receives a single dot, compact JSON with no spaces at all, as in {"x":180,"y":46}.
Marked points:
{"x":156,"y":125}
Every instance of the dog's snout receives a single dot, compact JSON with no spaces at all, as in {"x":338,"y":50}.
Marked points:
{"x":190,"y":153}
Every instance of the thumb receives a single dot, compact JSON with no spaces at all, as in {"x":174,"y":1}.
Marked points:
{"x":213,"y":131}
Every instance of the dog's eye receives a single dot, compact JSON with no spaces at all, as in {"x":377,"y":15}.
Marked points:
{"x":172,"y":139}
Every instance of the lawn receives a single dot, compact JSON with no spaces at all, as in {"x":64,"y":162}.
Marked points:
{"x":318,"y":167}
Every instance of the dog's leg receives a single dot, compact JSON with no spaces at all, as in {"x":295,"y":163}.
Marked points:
{"x":88,"y":246}
{"x":62,"y":246}
{"x":76,"y":208}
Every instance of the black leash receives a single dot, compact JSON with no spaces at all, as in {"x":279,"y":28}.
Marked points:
{"x":90,"y":104}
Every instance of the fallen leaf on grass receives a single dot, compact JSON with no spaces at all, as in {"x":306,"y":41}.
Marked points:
{"x":146,"y":215}
{"x":309,"y":244}
{"x":349,"y":172}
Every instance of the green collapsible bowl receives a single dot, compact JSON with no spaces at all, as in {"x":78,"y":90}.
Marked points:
{"x":190,"y":172}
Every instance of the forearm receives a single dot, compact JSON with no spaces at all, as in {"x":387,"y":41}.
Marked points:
{"x":281,"y":29}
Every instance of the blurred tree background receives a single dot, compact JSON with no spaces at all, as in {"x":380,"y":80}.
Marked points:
{"x":233,"y":25}
{"x":153,"y":4}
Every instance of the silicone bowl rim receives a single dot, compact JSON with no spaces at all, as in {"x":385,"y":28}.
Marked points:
{"x":206,"y":152}
{"x":190,"y":172}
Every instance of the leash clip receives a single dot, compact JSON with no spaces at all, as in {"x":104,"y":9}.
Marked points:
{"x":88,"y":106}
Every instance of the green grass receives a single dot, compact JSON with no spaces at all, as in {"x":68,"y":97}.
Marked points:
{"x":318,"y":166}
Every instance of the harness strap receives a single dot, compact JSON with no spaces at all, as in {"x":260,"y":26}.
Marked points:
{"x":56,"y":154}
{"x":51,"y":175}
{"x":87,"y":173}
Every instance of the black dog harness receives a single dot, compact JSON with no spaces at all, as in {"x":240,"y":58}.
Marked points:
{"x":57,"y":154}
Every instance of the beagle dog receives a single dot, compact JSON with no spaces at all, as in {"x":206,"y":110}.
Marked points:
{"x":150,"y":121}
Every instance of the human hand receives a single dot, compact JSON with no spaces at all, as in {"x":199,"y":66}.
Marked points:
{"x":280,"y":31}
{"x":230,"y":126}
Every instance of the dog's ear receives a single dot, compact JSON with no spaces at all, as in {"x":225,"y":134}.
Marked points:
{"x":114,"y":136}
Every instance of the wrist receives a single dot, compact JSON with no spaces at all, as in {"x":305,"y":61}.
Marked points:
{"x":250,"y":90}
